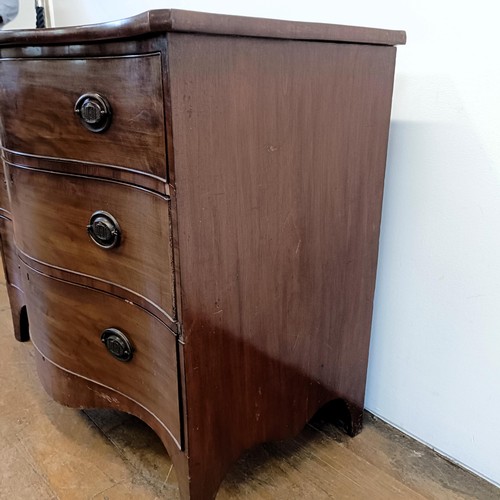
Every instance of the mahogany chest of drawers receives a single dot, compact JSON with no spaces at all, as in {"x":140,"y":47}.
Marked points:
{"x":189,"y":221}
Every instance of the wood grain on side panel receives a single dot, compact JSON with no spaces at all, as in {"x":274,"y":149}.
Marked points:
{"x":12,"y":272}
{"x":280,"y":152}
{"x":4,"y":195}
{"x":10,"y":259}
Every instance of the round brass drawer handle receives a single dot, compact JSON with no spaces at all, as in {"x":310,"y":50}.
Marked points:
{"x":104,"y":230}
{"x":117,"y":344}
{"x":94,"y":112}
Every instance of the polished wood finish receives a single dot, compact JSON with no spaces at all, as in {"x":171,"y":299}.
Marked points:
{"x":175,"y":20}
{"x":277,"y":233}
{"x":4,"y":195}
{"x":247,"y":282}
{"x":68,"y":166}
{"x":12,"y":273}
{"x":67,"y":321}
{"x":50,"y":221}
{"x":45,"y":92}
{"x":12,"y":264}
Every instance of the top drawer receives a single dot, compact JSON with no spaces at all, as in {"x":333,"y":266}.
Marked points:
{"x":38,"y":97}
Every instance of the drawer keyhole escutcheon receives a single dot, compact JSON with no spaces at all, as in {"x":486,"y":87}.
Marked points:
{"x":104,"y":230}
{"x":117,"y":344}
{"x":94,"y":111}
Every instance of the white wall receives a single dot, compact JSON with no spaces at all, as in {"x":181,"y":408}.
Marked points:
{"x":26,"y":17}
{"x":435,"y":354}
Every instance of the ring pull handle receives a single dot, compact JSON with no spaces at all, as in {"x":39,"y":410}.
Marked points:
{"x":117,"y":344}
{"x":94,"y":112}
{"x":104,"y":230}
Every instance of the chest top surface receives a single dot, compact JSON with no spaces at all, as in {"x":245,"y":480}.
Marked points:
{"x":184,"y":21}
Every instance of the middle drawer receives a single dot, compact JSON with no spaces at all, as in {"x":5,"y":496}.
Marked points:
{"x":51,"y":213}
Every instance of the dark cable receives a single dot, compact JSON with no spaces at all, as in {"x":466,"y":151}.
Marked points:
{"x":40,"y":17}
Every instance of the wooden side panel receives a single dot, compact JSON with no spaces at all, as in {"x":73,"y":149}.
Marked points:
{"x":66,"y":325}
{"x":37,"y":97}
{"x":13,"y":282}
{"x":280,"y":152}
{"x":11,"y":264}
{"x":4,"y":195}
{"x":10,"y":259}
{"x":51,"y":212}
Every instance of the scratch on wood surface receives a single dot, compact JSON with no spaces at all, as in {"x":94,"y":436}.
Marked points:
{"x":142,"y":115}
{"x":104,"y":396}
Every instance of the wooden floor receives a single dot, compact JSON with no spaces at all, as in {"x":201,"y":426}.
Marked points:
{"x":51,"y":452}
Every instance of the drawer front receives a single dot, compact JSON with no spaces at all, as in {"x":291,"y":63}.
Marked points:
{"x":51,"y":212}
{"x":37,"y":101}
{"x":66,"y":324}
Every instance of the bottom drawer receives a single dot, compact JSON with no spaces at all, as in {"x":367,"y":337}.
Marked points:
{"x":67,"y":322}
